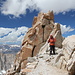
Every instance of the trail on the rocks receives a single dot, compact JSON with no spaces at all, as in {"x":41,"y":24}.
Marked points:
{"x":44,"y":68}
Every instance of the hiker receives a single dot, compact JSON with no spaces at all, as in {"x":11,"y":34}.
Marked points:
{"x":52,"y":44}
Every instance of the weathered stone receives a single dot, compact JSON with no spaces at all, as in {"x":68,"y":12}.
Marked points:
{"x":31,"y":59}
{"x":69,"y":46}
{"x":58,"y":57}
{"x":69,"y":53}
{"x":34,"y":21}
{"x":45,"y":22}
{"x":56,"y":32}
{"x":25,"y":70}
{"x":31,"y":65}
{"x":71,"y":64}
{"x":61,"y":60}
{"x":36,"y":37}
{"x":59,"y":39}
{"x":23,"y":64}
{"x":49,"y":15}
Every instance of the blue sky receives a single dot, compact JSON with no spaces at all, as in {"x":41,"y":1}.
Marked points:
{"x":16,"y":16}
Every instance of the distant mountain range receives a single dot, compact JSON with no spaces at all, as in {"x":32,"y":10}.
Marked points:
{"x":7,"y":54}
{"x":9,"y":48}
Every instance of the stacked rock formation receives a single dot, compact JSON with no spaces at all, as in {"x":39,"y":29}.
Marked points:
{"x":43,"y":26}
{"x":63,"y":60}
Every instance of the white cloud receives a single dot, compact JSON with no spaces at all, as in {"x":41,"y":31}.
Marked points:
{"x":12,"y":35}
{"x":5,"y":31}
{"x":65,"y":29}
{"x":72,"y":15}
{"x":16,"y":35}
{"x":18,"y":7}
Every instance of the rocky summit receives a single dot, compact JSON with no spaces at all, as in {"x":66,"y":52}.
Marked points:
{"x":34,"y":57}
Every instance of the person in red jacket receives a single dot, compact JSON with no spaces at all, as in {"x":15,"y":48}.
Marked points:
{"x":52,"y":44}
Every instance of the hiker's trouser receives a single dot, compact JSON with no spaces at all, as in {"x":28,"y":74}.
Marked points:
{"x":52,"y":48}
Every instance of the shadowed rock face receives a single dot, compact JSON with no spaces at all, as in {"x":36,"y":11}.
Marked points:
{"x":43,"y":26}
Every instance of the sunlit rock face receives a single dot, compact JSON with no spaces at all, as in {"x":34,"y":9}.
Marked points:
{"x":64,"y":59}
{"x":36,"y":36}
{"x":69,"y":53}
{"x":43,"y":25}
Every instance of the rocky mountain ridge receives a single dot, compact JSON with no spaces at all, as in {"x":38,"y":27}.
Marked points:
{"x":9,"y":48}
{"x":35,"y":46}
{"x":64,"y":60}
{"x":7,"y":54}
{"x":62,"y":63}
